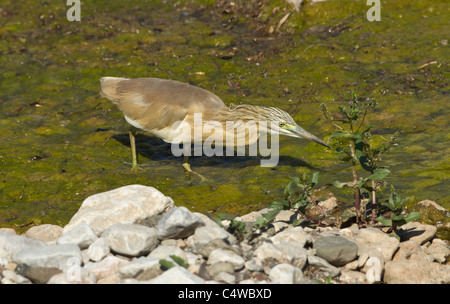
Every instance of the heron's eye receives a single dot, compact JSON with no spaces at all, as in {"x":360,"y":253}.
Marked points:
{"x":281,"y":124}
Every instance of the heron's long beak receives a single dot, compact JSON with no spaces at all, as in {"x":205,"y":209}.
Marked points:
{"x":305,"y":134}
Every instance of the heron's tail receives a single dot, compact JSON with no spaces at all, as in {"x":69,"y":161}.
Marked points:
{"x":108,"y":87}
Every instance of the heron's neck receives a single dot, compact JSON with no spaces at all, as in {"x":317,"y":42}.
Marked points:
{"x":245,"y":113}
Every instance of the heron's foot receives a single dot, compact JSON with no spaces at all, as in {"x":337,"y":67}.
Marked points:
{"x":135,"y":167}
{"x":188,"y":169}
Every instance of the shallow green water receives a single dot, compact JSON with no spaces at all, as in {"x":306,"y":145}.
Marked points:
{"x":61,"y":142}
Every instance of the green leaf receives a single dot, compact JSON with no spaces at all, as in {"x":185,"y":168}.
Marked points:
{"x":379,"y":174}
{"x":284,"y":205}
{"x":237,"y":225}
{"x":165,"y":264}
{"x":364,"y":161}
{"x":397,"y":217}
{"x":314,"y":179}
{"x":399,"y":222}
{"x":384,"y":221}
{"x":413,"y":216}
{"x":260,"y":222}
{"x":225,"y":216}
{"x":179,"y":261}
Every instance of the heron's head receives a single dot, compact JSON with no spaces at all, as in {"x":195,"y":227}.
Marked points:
{"x":284,"y":124}
{"x":278,"y":121}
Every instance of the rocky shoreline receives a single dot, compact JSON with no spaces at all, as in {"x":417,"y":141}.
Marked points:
{"x":135,"y":234}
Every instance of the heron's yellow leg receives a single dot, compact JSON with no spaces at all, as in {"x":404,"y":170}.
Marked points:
{"x":134,"y":165}
{"x":187,"y":167}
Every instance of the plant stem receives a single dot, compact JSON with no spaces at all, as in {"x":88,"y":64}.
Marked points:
{"x":355,"y":182}
{"x":374,"y":203}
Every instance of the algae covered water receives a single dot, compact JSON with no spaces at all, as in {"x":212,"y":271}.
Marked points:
{"x":61,"y":142}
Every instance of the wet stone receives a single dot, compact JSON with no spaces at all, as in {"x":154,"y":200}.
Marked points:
{"x":336,"y":250}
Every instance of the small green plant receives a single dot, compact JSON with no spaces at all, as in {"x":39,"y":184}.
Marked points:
{"x":296,"y":196}
{"x":395,"y":205}
{"x":353,"y":139}
{"x":370,"y":162}
{"x":166,"y":264}
{"x":235,"y":227}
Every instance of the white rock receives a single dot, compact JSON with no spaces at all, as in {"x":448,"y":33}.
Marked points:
{"x":432,"y":204}
{"x":8,"y":231}
{"x":10,"y":277}
{"x":323,"y":265}
{"x":372,"y":235}
{"x":388,"y":247}
{"x":291,"y":234}
{"x":130,"y":239}
{"x":438,"y":250}
{"x":285,"y":274}
{"x":295,"y":250}
{"x":367,"y":252}
{"x":98,"y":250}
{"x":106,"y":267}
{"x":206,"y":220}
{"x":418,"y":232}
{"x":80,"y":276}
{"x":269,"y":250}
{"x":416,"y":272}
{"x":81,"y":235}
{"x":63,"y":256}
{"x":165,"y":251}
{"x":138,"y":266}
{"x":192,"y":258}
{"x":346,"y":232}
{"x":254,"y":264}
{"x":352,"y":277}
{"x":220,"y":255}
{"x":45,"y":232}
{"x":177,"y":275}
{"x":112,"y":279}
{"x":225,"y":277}
{"x":252,"y":216}
{"x":179,"y":222}
{"x":204,"y":235}
{"x":10,"y":244}
{"x":329,"y":204}
{"x":129,"y":204}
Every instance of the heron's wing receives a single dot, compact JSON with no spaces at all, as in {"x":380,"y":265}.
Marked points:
{"x":158,"y":103}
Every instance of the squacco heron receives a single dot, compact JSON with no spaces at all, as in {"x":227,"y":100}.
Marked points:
{"x":160,"y":106}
